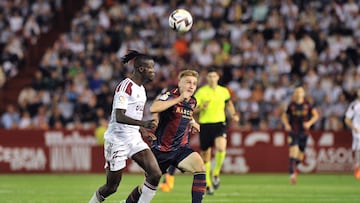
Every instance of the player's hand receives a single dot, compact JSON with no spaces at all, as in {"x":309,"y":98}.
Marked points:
{"x":307,"y":125}
{"x":150,"y":124}
{"x":356,"y":129}
{"x":205,"y":105}
{"x":150,"y":136}
{"x":287,"y":128}
{"x":195,"y":126}
{"x":235,"y":117}
{"x":147,"y":135}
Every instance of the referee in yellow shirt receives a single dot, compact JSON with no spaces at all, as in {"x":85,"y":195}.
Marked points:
{"x":214,"y":101}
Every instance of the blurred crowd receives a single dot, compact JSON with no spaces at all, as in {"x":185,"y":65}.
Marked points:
{"x":263,"y":47}
{"x":21,"y":24}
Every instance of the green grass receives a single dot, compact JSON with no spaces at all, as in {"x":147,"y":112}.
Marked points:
{"x":262,"y":188}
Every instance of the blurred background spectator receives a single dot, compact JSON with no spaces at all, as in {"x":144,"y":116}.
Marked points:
{"x":264,"y":48}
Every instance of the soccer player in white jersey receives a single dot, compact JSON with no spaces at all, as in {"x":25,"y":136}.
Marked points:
{"x":352,"y":120}
{"x":123,"y":136}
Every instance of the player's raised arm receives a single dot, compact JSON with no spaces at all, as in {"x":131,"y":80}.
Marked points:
{"x":161,"y":105}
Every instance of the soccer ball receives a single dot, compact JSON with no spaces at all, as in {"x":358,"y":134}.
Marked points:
{"x":180,"y":20}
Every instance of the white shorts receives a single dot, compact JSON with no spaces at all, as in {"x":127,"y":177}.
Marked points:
{"x":356,"y":141}
{"x":116,"y":154}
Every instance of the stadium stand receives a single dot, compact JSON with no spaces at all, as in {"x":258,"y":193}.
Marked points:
{"x":41,"y":23}
{"x":264,"y":48}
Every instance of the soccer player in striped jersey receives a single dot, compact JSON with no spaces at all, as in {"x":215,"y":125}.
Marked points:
{"x":174,"y":110}
{"x":352,"y":120}
{"x":123,"y":136}
{"x":298,"y":119}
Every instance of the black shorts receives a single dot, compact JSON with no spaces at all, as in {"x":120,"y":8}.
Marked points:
{"x":299,"y":139}
{"x":165,"y":159}
{"x":208,"y":133}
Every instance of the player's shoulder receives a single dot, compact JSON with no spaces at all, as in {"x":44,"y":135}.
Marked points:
{"x":307,"y":102}
{"x":354,"y":104}
{"x":193,"y":100}
{"x":203,"y":88}
{"x":224,"y":88}
{"x":125,"y":86}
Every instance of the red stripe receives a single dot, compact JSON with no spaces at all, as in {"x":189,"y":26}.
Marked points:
{"x":199,"y":189}
{"x":199,"y":181}
{"x":128,"y":88}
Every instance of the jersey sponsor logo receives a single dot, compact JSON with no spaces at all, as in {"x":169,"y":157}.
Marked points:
{"x":139,"y":108}
{"x":186,"y":113}
{"x":121,"y":99}
{"x":299,"y":113}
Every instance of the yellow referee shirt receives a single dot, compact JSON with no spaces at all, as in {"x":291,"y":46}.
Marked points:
{"x":217,"y":98}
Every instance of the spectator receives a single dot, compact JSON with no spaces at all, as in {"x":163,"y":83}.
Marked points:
{"x":32,"y":30}
{"x":11,"y":118}
{"x":25,"y":121}
{"x":16,"y":22}
{"x":2,"y":77}
{"x":41,"y":119}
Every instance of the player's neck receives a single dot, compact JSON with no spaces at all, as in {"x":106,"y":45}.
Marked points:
{"x":137,"y":79}
{"x":300,"y":101}
{"x":213,"y":86}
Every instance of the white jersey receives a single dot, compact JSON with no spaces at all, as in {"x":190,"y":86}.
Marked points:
{"x":353,"y":113}
{"x":131,"y":97}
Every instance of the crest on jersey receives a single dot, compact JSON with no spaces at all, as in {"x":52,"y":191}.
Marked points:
{"x":122,"y":99}
{"x":165,"y":96}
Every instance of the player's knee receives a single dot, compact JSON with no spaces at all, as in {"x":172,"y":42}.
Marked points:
{"x":199,"y":167}
{"x":154,"y":177}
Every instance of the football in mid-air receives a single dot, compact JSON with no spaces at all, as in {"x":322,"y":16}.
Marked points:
{"x":180,"y":20}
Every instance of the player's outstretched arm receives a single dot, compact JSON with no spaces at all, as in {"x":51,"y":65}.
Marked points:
{"x":160,"y":106}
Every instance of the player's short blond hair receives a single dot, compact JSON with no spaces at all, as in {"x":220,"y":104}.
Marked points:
{"x":188,"y":72}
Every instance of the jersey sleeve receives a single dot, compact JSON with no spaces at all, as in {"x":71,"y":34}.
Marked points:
{"x":121,"y":100}
{"x":122,"y":95}
{"x":350,"y":111}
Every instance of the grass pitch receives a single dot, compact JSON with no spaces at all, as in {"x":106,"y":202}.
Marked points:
{"x":262,"y":188}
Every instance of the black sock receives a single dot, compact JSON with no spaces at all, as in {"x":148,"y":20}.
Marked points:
{"x":292,"y":165}
{"x":198,"y":187}
{"x":134,"y":195}
{"x":171,"y":170}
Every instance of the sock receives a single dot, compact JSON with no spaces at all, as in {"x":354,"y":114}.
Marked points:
{"x":198,"y":187}
{"x":357,"y":158}
{"x":97,"y":198}
{"x":219,"y":160}
{"x":292,"y":165}
{"x":134,"y":195}
{"x":148,"y":193}
{"x":207,"y":172}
